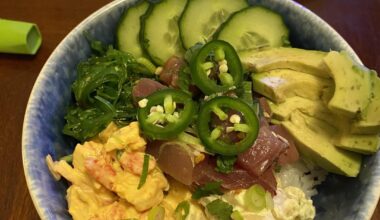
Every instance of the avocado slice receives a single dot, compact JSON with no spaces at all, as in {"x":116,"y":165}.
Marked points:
{"x":364,"y":144}
{"x":313,"y":108}
{"x":327,"y":94}
{"x":282,"y":111}
{"x":280,"y":84}
{"x":352,"y":84}
{"x":361,"y":143}
{"x":369,"y":122}
{"x":313,"y":139}
{"x":308,"y":61}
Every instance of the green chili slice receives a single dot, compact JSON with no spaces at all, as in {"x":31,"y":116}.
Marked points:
{"x":203,"y":62}
{"x":178,"y":110}
{"x":249,"y":125}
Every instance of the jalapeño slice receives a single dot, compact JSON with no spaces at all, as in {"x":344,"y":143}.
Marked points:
{"x":246,"y":125}
{"x":216,"y":67}
{"x":166,"y":113}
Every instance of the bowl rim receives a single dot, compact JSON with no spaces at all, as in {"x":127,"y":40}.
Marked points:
{"x":35,"y":92}
{"x":38,"y":85}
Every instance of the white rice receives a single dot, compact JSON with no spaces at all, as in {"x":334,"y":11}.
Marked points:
{"x":305,"y":176}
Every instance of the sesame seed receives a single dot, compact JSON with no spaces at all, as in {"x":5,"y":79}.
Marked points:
{"x":223,"y":68}
{"x":142,"y":103}
{"x":224,"y":61}
{"x":235,"y":119}
{"x":159,"y":108}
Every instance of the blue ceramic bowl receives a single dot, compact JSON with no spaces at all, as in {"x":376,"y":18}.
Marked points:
{"x":338,"y":198}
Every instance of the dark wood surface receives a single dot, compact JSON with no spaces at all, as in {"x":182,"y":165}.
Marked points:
{"x":357,"y":21}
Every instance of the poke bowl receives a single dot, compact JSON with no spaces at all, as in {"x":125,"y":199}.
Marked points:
{"x":344,"y":188}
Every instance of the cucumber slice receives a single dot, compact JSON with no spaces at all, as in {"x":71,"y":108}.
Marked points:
{"x":254,"y":28}
{"x":201,"y":19}
{"x":127,"y":34}
{"x":159,"y":34}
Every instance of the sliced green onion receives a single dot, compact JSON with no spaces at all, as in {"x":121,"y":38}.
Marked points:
{"x":156,"y":213}
{"x":67,"y":158}
{"x":269,"y":200}
{"x":147,"y":64}
{"x":144,"y":173}
{"x":192,"y":141}
{"x":189,"y":139}
{"x":182,"y":210}
{"x":220,"y":113}
{"x":236,"y":215}
{"x":119,"y":153}
{"x":215,"y":134}
{"x":219,"y":54}
{"x":255,"y":198}
{"x":226,"y":79}
{"x":242,"y":128}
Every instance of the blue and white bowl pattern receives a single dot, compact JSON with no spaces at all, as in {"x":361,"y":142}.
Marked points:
{"x":339,"y":197}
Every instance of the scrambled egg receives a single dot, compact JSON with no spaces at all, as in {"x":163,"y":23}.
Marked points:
{"x":126,"y":137}
{"x":148,"y":196}
{"x":177,"y":194}
{"x":105,"y":179}
{"x":105,"y":176}
{"x":81,"y":152}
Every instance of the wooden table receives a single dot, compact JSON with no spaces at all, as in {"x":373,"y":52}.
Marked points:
{"x":357,"y":21}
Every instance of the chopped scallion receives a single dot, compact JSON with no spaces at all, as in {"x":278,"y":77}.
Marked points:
{"x":144,"y":173}
{"x":147,"y":64}
{"x":182,"y":210}
{"x":67,"y":158}
{"x":255,"y":198}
